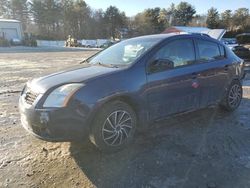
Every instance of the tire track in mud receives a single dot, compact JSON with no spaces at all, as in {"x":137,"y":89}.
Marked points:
{"x":10,"y":92}
{"x":5,"y":162}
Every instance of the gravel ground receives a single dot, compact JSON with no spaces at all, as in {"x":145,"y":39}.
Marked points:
{"x":205,"y":149}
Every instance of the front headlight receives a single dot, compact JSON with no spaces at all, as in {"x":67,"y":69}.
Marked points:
{"x":61,"y":95}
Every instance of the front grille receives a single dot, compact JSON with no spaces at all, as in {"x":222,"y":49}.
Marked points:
{"x":30,"y":97}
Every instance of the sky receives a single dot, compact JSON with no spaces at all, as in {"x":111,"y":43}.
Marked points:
{"x":132,"y":7}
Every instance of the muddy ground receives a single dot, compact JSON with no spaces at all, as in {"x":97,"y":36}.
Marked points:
{"x":208,"y":148}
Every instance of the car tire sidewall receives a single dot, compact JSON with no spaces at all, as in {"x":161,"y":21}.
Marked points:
{"x":225,"y":104}
{"x":96,"y":130}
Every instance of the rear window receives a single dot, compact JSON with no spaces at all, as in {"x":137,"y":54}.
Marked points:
{"x":208,"y":51}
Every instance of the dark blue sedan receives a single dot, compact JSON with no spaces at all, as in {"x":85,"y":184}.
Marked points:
{"x":129,"y":86}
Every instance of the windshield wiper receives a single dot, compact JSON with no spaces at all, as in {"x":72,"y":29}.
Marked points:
{"x":84,"y":61}
{"x":105,"y":65}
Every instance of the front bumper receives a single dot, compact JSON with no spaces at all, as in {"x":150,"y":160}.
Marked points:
{"x":54,"y":124}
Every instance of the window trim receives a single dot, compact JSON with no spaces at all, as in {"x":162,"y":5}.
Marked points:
{"x":163,"y":45}
{"x":225,"y":55}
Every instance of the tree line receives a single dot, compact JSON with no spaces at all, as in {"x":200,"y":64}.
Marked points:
{"x":56,"y":19}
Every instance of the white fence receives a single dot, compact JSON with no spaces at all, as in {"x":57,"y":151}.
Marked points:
{"x":93,"y":43}
{"x":86,"y":43}
{"x":50,"y":43}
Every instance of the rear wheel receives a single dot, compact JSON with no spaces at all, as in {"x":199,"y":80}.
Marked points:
{"x":233,"y":96}
{"x":114,"y":127}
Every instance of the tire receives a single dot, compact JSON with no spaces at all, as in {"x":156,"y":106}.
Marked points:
{"x":233,"y":97}
{"x":114,"y":127}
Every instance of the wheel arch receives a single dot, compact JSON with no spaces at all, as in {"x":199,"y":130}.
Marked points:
{"x":135,"y":105}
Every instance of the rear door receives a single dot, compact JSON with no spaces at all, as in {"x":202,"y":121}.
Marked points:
{"x":213,"y":72}
{"x":172,"y":89}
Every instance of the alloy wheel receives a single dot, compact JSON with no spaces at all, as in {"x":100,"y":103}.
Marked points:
{"x":116,"y":128}
{"x":235,"y":95}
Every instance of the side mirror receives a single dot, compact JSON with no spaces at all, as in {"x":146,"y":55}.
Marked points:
{"x":159,"y":65}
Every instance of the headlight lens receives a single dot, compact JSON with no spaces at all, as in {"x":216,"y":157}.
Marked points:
{"x":60,"y":96}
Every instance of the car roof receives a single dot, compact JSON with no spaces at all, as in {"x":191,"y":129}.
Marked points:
{"x":162,"y":37}
{"x":157,"y":36}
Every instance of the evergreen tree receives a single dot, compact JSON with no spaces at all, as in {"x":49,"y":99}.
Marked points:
{"x":213,"y":18}
{"x":184,"y":13}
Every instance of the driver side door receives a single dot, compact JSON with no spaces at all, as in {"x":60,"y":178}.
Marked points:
{"x":172,"y":89}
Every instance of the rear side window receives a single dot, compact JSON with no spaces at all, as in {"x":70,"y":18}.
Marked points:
{"x":180,"y":52}
{"x":208,"y":51}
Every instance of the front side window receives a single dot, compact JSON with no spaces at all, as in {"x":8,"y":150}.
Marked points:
{"x":176,"y":53}
{"x":208,"y":51}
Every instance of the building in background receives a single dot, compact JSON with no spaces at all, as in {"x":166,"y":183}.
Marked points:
{"x":11,"y":29}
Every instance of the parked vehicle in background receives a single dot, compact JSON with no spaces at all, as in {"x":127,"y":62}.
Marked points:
{"x":230,"y":42}
{"x":101,"y":42}
{"x":107,"y":44}
{"x":130,"y":85}
{"x":16,"y":42}
{"x":243,"y":38}
{"x":243,"y":53}
{"x":241,"y":49}
{"x":88,"y":43}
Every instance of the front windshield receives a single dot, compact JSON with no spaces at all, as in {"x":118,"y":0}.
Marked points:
{"x":125,"y":52}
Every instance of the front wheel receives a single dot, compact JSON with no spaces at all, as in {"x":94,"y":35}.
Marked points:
{"x":114,"y":127}
{"x":233,"y":96}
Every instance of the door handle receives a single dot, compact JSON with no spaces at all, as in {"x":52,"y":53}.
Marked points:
{"x":195,"y":75}
{"x":226,"y":67}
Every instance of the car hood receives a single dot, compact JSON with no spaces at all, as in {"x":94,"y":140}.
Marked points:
{"x":215,"y":33}
{"x":42,"y":84}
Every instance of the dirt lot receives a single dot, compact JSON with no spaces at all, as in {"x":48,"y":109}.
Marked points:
{"x":202,"y":149}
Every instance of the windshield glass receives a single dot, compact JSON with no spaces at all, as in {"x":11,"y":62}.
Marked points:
{"x":125,"y":52}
